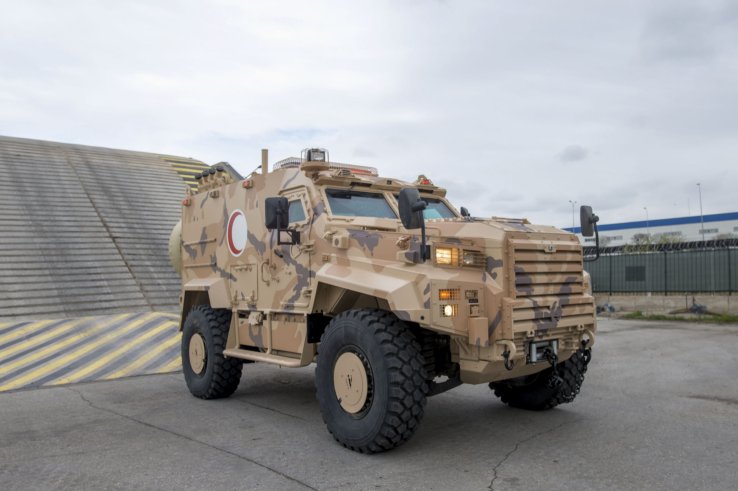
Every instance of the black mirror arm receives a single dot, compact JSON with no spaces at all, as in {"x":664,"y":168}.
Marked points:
{"x":418,"y":207}
{"x":595,"y":219}
{"x":294,"y":236}
{"x":423,"y":247}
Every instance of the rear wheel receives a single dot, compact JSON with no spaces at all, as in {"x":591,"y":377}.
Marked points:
{"x":370,"y":380}
{"x":543,"y":390}
{"x":209,"y":374}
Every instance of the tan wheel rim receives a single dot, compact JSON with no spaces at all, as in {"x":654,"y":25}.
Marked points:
{"x":197,"y":353}
{"x":350,"y":382}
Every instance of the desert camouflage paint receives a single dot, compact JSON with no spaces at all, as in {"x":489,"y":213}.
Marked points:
{"x":506,"y":282}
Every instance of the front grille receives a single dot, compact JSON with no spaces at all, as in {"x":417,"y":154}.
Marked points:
{"x":547,"y":268}
{"x":548,"y":287}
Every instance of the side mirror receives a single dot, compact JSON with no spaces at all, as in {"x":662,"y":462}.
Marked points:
{"x":464,"y":212}
{"x":411,"y":208}
{"x":277,"y":216}
{"x":411,"y":216}
{"x":276,"y":211}
{"x":587,"y":220}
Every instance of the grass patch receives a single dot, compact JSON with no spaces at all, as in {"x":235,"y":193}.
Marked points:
{"x":709,"y":318}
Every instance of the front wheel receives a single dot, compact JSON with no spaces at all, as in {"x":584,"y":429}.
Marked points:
{"x":370,"y":380}
{"x":542,"y":390}
{"x":209,"y":374}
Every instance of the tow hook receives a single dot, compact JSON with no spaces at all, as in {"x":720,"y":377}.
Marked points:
{"x":555,"y":380}
{"x":509,"y":352}
{"x":508,"y":363}
{"x":587,"y":352}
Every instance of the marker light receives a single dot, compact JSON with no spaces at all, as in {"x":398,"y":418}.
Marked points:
{"x":448,"y":294}
{"x":472,"y":258}
{"x":423,"y":181}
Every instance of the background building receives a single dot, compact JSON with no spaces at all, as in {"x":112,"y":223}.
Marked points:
{"x":668,"y":230}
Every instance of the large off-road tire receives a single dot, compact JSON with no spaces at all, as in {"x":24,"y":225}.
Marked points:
{"x":370,"y":380}
{"x":209,"y":374}
{"x":536,"y":392}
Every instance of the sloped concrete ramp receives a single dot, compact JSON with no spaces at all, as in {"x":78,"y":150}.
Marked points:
{"x":84,"y":230}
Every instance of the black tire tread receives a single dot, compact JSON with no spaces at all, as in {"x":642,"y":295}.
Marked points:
{"x":537,"y":396}
{"x":226,"y":371}
{"x":408,"y":386}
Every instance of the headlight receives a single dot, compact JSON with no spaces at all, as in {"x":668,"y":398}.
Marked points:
{"x":447,"y":255}
{"x":453,"y":256}
{"x":450,"y":310}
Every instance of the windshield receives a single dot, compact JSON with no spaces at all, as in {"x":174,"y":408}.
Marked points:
{"x":349,"y":203}
{"x":437,"y":209}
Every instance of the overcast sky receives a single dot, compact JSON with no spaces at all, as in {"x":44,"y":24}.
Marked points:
{"x":515,"y":107}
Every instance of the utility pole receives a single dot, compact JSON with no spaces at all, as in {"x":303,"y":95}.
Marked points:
{"x":572,"y":213}
{"x":648,"y":228}
{"x":702,"y":218}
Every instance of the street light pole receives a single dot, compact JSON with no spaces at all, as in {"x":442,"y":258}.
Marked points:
{"x":702,"y":218}
{"x":572,"y":212}
{"x":648,"y":228}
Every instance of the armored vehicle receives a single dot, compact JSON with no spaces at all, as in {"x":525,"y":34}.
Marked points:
{"x":394,"y":293}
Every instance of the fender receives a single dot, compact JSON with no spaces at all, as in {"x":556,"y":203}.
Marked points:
{"x":212,"y":291}
{"x":403,"y":290}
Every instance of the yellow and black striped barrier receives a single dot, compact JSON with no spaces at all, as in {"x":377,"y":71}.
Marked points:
{"x":65,"y":351}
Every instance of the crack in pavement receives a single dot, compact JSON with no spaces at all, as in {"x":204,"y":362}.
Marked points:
{"x":267,"y":408}
{"x":724,"y":400}
{"x":193,"y":440}
{"x":491,"y":486}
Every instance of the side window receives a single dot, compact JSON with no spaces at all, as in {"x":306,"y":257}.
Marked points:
{"x":296,"y":212}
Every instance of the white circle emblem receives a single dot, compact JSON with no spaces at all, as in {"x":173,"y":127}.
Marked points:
{"x":237,"y":232}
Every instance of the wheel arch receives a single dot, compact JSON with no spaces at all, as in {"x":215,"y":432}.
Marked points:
{"x":211,"y":292}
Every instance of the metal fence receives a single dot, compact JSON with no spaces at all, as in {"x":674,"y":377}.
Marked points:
{"x":667,"y":271}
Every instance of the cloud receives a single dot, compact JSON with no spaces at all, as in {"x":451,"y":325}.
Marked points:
{"x":478,"y":96}
{"x":573,"y":153}
{"x":682,"y":32}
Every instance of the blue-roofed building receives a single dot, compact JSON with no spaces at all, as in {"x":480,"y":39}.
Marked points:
{"x":680,"y":229}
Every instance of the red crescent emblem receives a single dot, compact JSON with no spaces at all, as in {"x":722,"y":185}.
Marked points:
{"x":236,"y":232}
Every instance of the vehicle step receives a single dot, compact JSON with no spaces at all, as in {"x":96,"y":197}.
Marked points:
{"x":263,"y":357}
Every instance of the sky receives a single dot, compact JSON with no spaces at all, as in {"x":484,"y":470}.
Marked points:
{"x":517,"y":108}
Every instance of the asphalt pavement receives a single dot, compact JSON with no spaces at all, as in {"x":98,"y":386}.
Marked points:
{"x":658,"y":410}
